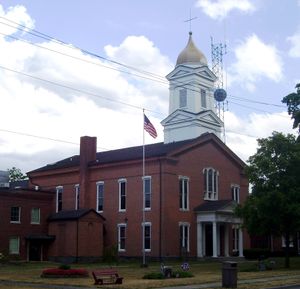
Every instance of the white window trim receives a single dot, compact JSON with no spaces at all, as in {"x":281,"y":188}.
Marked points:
{"x":123,"y":225}
{"x":18,"y":242}
{"x":236,"y":194}
{"x":19,"y":221}
{"x":150,"y":225}
{"x":57,"y":189}
{"x":188,"y":193}
{"x":183,"y":97}
{"x":186,"y":224}
{"x":77,"y":191}
{"x":97,"y":195}
{"x":36,"y":223}
{"x":283,"y":243}
{"x":119,"y":182}
{"x":144,"y":194}
{"x":205,"y":96}
{"x":215,"y":196}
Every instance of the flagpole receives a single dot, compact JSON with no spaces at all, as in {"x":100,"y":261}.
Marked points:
{"x":143,"y":205}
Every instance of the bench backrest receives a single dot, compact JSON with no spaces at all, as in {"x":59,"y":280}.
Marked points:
{"x":104,"y":272}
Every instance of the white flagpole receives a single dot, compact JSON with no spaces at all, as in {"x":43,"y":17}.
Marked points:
{"x":143,"y":205}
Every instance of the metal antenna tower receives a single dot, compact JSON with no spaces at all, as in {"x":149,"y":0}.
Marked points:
{"x":217,"y":52}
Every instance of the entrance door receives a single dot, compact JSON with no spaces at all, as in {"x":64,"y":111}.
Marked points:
{"x":208,"y":240}
{"x":34,"y":251}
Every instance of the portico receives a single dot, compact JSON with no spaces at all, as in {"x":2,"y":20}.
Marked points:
{"x":219,"y":231}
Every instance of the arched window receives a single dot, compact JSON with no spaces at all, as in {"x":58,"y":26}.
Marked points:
{"x":211,"y":184}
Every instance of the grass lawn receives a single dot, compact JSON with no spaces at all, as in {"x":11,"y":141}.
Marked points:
{"x":203,"y":271}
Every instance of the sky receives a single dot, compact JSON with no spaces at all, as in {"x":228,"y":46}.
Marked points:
{"x":90,"y":67}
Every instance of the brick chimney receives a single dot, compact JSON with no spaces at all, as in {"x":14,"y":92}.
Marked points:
{"x":88,"y":150}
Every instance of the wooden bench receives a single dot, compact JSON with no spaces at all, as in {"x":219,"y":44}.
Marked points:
{"x":106,"y":276}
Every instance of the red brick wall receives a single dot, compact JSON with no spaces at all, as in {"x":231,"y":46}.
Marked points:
{"x":189,"y":163}
{"x":26,"y":200}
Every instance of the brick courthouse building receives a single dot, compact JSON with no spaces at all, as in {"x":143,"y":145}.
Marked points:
{"x":182,"y":206}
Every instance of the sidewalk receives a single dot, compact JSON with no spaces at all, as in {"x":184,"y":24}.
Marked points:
{"x":249,"y":281}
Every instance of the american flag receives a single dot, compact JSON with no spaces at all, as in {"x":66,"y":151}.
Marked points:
{"x":148,"y":127}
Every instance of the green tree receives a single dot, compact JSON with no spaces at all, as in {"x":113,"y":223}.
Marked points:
{"x":293,"y":104}
{"x":273,"y":208}
{"x":16,"y":174}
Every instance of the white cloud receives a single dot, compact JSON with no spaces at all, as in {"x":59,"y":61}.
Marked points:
{"x":219,"y":9}
{"x":13,"y":16}
{"x":39,"y":108}
{"x":241,"y":133}
{"x":255,"y":60}
{"x":295,"y":45}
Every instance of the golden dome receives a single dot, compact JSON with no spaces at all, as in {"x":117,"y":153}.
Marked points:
{"x":191,"y":54}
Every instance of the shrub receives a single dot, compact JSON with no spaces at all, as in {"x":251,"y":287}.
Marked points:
{"x":110,"y":254}
{"x":257,"y":253}
{"x":175,"y":274}
{"x":3,"y":258}
{"x":64,"y":267}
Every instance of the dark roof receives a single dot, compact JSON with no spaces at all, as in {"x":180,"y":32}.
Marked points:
{"x":40,"y":237}
{"x":134,"y":153}
{"x":213,"y":206}
{"x":71,"y":215}
{"x":24,"y":184}
{"x":119,"y":155}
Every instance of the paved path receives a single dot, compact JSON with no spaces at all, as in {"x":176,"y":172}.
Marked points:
{"x":197,"y":286}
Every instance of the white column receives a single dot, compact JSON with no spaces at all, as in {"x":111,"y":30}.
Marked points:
{"x":218,"y":239}
{"x":215,"y":255}
{"x":199,"y":240}
{"x":241,"y":253}
{"x":226,"y":241}
{"x":203,"y":239}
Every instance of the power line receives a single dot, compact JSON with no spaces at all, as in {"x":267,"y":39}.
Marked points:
{"x":44,"y":137}
{"x":154,"y":77}
{"x":74,"y":89}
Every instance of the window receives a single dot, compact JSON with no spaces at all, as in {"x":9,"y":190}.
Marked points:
{"x":183,"y":193}
{"x":147,"y":192}
{"x":203,"y":98}
{"x":59,"y":193}
{"x":182,"y":98}
{"x":122,"y":195}
{"x":211,"y":179}
{"x":14,"y":245}
{"x":15,"y":215}
{"x":121,"y":237}
{"x":283,"y":241}
{"x":184,"y":237}
{"x":147,"y":236}
{"x":235,"y":238}
{"x":35,"y":215}
{"x":100,"y":196}
{"x":235,"y":193}
{"x":77,"y":196}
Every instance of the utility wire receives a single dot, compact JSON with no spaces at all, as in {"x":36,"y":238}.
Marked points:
{"x":154,"y":77}
{"x":44,"y":137}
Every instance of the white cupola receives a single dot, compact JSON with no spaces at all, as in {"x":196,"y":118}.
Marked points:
{"x":191,"y":102}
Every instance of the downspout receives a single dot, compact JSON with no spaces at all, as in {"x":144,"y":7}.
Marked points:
{"x":160,"y":210}
{"x":77,"y":240}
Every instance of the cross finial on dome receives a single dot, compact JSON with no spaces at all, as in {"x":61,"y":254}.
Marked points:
{"x":190,"y":20}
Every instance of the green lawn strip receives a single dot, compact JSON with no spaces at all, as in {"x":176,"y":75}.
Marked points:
{"x":203,"y":271}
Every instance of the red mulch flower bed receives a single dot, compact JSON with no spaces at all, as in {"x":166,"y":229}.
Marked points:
{"x":63,"y":273}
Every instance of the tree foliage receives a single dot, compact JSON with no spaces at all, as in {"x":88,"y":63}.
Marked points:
{"x":274,"y":205}
{"x":292,"y":101}
{"x":16,"y":174}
